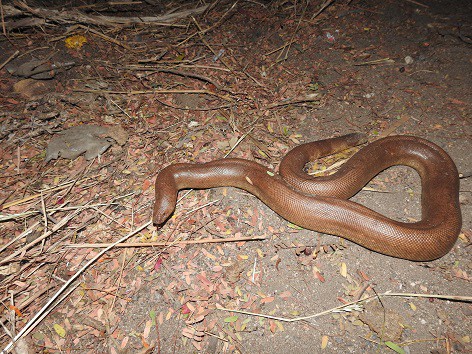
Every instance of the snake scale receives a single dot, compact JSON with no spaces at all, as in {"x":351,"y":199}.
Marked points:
{"x":321,"y":203}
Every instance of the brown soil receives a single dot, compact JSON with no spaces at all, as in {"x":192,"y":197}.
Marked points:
{"x":402,"y":67}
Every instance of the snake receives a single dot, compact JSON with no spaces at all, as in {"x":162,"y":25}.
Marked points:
{"x":322,"y":203}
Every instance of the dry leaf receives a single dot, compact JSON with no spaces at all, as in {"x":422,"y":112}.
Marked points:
{"x":324,"y":342}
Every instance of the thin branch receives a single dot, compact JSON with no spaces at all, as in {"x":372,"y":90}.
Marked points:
{"x":348,"y":305}
{"x":166,"y":244}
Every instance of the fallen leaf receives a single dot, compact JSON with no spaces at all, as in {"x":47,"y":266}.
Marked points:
{"x":231,"y":319}
{"x":158,"y":264}
{"x":324,"y":342}
{"x":272,"y":326}
{"x":267,"y":300}
{"x":285,"y":295}
{"x":60,"y":330}
{"x":318,"y":275}
{"x":394,"y":347}
{"x":147,"y":329}
{"x":343,"y":270}
{"x":184,"y":310}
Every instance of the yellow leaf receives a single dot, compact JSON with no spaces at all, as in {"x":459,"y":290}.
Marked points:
{"x":343,"y":270}
{"x":75,"y":42}
{"x":279,"y":325}
{"x":60,"y":330}
{"x":269,"y":127}
{"x":260,"y":253}
{"x":262,"y":153}
{"x":463,"y":238}
{"x":413,"y":306}
{"x":243,"y":256}
{"x":238,"y":291}
{"x":324,"y":342}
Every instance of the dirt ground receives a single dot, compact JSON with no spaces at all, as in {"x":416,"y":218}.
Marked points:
{"x":248,"y":79}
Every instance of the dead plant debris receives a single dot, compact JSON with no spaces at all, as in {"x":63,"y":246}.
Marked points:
{"x":81,"y":267}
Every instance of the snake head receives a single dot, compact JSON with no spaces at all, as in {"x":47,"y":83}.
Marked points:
{"x":165,"y":198}
{"x":163,"y":209}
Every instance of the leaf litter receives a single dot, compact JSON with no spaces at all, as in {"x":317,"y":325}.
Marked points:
{"x":99,"y":201}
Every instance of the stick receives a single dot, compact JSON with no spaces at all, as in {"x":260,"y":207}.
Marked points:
{"x":308,"y":98}
{"x":165,"y":244}
{"x":336,"y":309}
{"x":142,"y":92}
{"x":376,"y":62}
{"x":10,"y":58}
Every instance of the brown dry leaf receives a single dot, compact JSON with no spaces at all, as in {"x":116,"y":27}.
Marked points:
{"x":272,"y":326}
{"x":32,"y":89}
{"x":391,"y":329}
{"x":118,"y":134}
{"x":318,"y":275}
{"x":233,"y":272}
{"x":267,"y":299}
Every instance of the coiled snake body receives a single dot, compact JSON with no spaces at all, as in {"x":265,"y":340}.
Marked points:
{"x":321,"y":204}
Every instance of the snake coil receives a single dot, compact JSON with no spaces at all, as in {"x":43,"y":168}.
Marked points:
{"x":321,"y":203}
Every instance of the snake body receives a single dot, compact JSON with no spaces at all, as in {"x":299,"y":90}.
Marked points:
{"x":321,"y":203}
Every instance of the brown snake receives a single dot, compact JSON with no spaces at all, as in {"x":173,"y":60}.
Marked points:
{"x":320,"y":203}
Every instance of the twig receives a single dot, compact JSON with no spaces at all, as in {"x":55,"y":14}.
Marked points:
{"x":239,"y":141}
{"x":201,"y":32}
{"x":165,"y":244}
{"x":192,"y":109}
{"x":2,"y":15}
{"x":115,"y":295}
{"x":341,"y":307}
{"x":185,"y":74}
{"x":44,"y":310}
{"x":322,"y":8}
{"x":64,"y":17}
{"x":376,"y":62}
{"x":10,"y":58}
{"x":201,"y":207}
{"x":308,"y":98}
{"x":418,"y":3}
{"x":105,"y":37}
{"x":143,"y":92}
{"x":403,"y":119}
